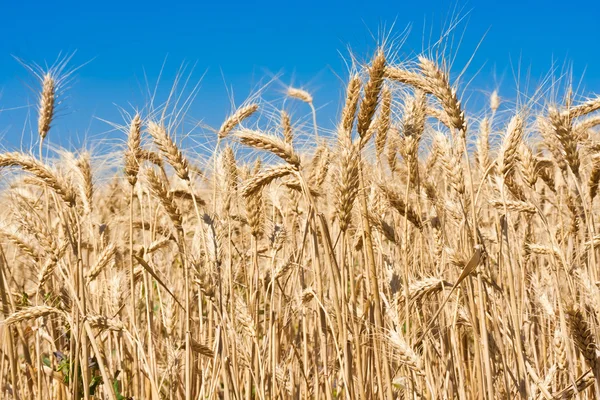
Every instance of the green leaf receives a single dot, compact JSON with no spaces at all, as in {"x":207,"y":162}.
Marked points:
{"x":96,"y":381}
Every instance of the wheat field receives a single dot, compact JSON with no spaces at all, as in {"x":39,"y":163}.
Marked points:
{"x":419,"y":251}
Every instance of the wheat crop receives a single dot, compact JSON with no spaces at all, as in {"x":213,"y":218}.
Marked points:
{"x":405,"y":256}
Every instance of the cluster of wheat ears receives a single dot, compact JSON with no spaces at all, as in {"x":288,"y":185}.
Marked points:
{"x":403,"y":256}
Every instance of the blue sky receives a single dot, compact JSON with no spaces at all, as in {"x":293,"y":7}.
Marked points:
{"x":236,"y":45}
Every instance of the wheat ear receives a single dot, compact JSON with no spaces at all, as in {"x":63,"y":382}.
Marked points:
{"x":132,"y":154}
{"x":439,"y":84}
{"x":165,"y":197}
{"x":349,"y":111}
{"x":264,"y":178}
{"x":371,"y":93}
{"x":46,"y":106}
{"x":169,"y":149}
{"x":269,"y":143}
{"x":237,"y":117}
{"x":42,"y":172}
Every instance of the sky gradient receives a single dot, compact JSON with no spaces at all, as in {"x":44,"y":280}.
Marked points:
{"x":235,"y":46}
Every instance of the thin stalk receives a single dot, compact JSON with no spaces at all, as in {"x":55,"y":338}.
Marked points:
{"x":385,"y":374}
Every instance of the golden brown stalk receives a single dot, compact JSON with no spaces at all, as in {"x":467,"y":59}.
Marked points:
{"x":151,"y":157}
{"x":46,"y":106}
{"x":320,"y":169}
{"x":594,"y":177}
{"x":165,"y":197}
{"x":33,"y":223}
{"x":264,"y":178}
{"x":307,"y":98}
{"x":530,"y":165}
{"x":42,"y":172}
{"x":573,"y":205}
{"x":406,"y":355}
{"x":483,"y":145}
{"x":588,"y":123}
{"x":451,"y":163}
{"x":583,"y":336}
{"x":22,"y":243}
{"x":508,"y":157}
{"x":440,"y":87}
{"x":371,"y":93}
{"x":407,"y":77}
{"x":584,"y":108}
{"x":212,"y":233}
{"x":102,"y":261}
{"x":184,"y":194}
{"x":438,"y":239}
{"x":300,"y":94}
{"x":132,"y":154}
{"x":440,"y":115}
{"x":413,"y":121}
{"x":582,"y":383}
{"x":427,"y":286}
{"x":228,"y":178}
{"x":547,"y":175}
{"x":254,"y":207}
{"x":161,"y":230}
{"x":269,"y":143}
{"x":392,"y":150}
{"x":234,"y":120}
{"x":364,"y":140}
{"x":510,"y":145}
{"x":31,"y":313}
{"x":286,"y":125}
{"x":545,"y":250}
{"x":346,"y":188}
{"x":169,"y":149}
{"x":86,"y":184}
{"x":230,"y":166}
{"x":397,"y":202}
{"x":105,"y":324}
{"x":382,"y":226}
{"x":349,"y":112}
{"x":559,"y":350}
{"x":49,"y":266}
{"x":156,"y":245}
{"x":383,"y":120}
{"x":244,"y":317}
{"x":201,"y":349}
{"x":563,"y":129}
{"x":413,"y":126}
{"x":551,"y":141}
{"x":518,"y":206}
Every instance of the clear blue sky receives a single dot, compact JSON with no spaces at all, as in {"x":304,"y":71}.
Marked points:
{"x":237,"y":44}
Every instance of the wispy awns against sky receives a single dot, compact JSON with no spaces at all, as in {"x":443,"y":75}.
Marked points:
{"x":235,"y":46}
